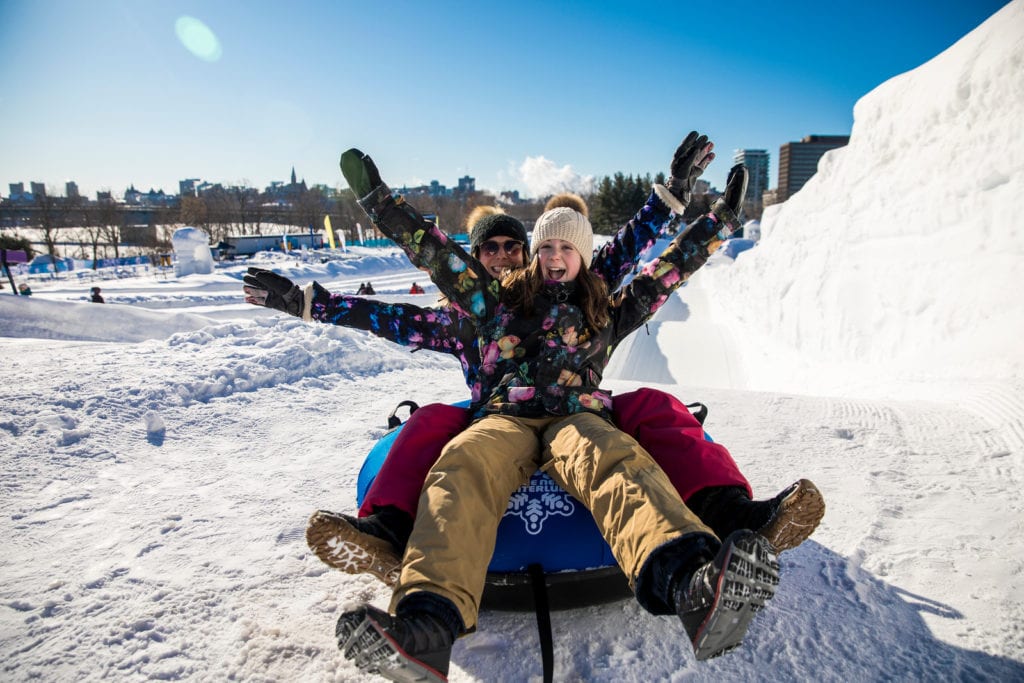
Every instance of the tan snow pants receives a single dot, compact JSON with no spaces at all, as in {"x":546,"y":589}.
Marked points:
{"x":465,"y":495}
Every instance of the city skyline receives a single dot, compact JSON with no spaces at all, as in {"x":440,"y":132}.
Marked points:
{"x":113,"y":93}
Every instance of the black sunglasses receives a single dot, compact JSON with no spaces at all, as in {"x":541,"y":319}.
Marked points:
{"x":490,"y":247}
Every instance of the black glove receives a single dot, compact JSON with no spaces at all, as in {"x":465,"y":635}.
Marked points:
{"x":719,"y":225}
{"x":266,"y":288}
{"x":691,"y":158}
{"x":727,"y":207}
{"x":360,"y":172}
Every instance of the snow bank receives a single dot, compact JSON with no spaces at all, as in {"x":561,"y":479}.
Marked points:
{"x":900,"y":257}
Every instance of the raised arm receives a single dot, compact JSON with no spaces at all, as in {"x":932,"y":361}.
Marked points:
{"x":690,"y":249}
{"x":617,"y":258}
{"x":459,"y":276}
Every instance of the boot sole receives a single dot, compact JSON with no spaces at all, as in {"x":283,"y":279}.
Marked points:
{"x":797,"y":517}
{"x":745,"y":585}
{"x":372,"y":650}
{"x":340,"y":545}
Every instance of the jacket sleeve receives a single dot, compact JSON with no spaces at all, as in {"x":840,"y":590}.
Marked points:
{"x":460,"y":277}
{"x":436,"y":329}
{"x":648,"y":291}
{"x":617,"y":258}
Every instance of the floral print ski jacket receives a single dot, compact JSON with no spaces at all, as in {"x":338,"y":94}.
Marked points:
{"x":450,"y":330}
{"x":548,"y":363}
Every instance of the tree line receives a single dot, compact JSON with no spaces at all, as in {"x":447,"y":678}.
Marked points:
{"x":103,"y":227}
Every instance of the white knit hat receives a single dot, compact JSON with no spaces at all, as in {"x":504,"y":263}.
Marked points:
{"x":564,"y":224}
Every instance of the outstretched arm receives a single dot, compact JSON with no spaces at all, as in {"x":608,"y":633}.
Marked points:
{"x":437,"y":329}
{"x":459,"y":276}
{"x":617,"y":258}
{"x":690,"y":249}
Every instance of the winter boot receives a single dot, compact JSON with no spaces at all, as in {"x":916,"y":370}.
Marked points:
{"x":717,"y":602}
{"x":413,"y":647}
{"x":795,"y":515}
{"x":360,"y":545}
{"x":786,"y":520}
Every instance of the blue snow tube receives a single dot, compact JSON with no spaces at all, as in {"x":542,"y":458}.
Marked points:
{"x":543,"y":525}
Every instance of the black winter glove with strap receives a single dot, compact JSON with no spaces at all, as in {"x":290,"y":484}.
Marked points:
{"x":723,"y":220}
{"x":691,"y":158}
{"x":727,"y":207}
{"x":267,"y":288}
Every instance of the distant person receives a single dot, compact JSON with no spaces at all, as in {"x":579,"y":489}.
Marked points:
{"x":361,"y":290}
{"x":95,"y":296}
{"x":416,"y":289}
{"x":369,"y":291}
{"x":24,"y":289}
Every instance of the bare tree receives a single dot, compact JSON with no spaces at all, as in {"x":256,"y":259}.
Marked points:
{"x":110,"y":218}
{"x":48,"y":220}
{"x":88,"y":219}
{"x":194,"y":212}
{"x":310,"y":209}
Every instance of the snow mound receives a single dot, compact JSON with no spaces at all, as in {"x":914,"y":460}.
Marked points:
{"x":900,"y":257}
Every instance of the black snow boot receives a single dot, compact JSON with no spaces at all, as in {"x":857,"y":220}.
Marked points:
{"x":786,"y":520}
{"x":357,"y":545}
{"x":717,"y":602}
{"x":414,"y":646}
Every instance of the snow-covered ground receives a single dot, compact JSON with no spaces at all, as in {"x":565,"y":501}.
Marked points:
{"x":161,"y":453}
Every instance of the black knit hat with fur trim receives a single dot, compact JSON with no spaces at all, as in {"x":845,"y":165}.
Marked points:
{"x":497,"y":225}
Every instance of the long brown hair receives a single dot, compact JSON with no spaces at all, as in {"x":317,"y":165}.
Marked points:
{"x":520,"y":288}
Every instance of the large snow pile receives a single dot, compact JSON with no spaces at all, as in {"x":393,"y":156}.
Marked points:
{"x":911,"y":232}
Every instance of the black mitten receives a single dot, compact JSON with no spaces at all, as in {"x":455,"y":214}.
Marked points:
{"x":360,"y":172}
{"x":266,"y":288}
{"x":691,"y":158}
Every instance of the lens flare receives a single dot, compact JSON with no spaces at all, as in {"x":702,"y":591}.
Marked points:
{"x":198,"y":38}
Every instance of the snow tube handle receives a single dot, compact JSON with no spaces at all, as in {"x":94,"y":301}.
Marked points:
{"x":699,"y":410}
{"x":394,"y":420}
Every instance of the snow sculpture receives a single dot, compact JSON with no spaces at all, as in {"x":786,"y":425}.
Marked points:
{"x":192,"y":249}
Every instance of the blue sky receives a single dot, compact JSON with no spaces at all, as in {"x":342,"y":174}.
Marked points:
{"x":106,"y":93}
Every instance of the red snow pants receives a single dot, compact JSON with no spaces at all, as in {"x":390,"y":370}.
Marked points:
{"x":661,"y":423}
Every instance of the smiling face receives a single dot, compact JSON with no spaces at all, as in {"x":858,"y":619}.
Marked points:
{"x":499,"y":254}
{"x":559,"y":260}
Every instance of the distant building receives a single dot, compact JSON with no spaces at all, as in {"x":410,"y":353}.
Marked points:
{"x":467,"y":185}
{"x":281,"y":194}
{"x":187,"y":187}
{"x":71,"y":190}
{"x":18,"y":194}
{"x":247,"y":245}
{"x":756,"y":161}
{"x":134,"y":197}
{"x":38,"y":189}
{"x":798,"y":161}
